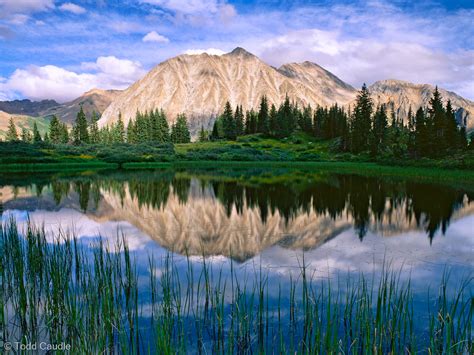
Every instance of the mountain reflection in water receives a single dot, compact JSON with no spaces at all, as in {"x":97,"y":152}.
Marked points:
{"x":242,"y":213}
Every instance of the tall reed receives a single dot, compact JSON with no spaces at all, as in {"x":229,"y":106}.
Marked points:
{"x":94,"y":298}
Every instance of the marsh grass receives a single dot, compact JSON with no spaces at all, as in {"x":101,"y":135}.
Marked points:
{"x":95,"y":300}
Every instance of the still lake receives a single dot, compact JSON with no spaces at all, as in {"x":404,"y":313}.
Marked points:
{"x":258,"y":218}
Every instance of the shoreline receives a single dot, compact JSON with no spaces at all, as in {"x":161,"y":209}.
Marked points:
{"x":363,"y":168}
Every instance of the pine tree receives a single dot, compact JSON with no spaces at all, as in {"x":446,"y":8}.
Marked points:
{"x":203,"y":135}
{"x":262,"y":120}
{"x":421,"y":133}
{"x":131,"y":135}
{"x":361,"y":121}
{"x":217,"y":130}
{"x":273,"y":120}
{"x":46,"y":137}
{"x":318,"y":122}
{"x":462,"y":139}
{"x":80,"y":132}
{"x":379,"y":130}
{"x":452,"y":134}
{"x":36,"y":134}
{"x":119,"y":130}
{"x":163,"y":128}
{"x":239,"y":121}
{"x":12,"y":134}
{"x":285,"y":119}
{"x":26,"y":135}
{"x":305,"y":120}
{"x":228,"y":122}
{"x":55,"y":130}
{"x":180,"y":132}
{"x":64,"y":134}
{"x":94,"y":128}
{"x":251,"y":122}
{"x":437,"y":125}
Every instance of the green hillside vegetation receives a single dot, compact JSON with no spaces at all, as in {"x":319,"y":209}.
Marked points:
{"x":27,"y":122}
{"x":430,"y":137}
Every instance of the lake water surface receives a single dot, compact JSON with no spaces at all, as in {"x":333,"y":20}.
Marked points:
{"x":270,"y":219}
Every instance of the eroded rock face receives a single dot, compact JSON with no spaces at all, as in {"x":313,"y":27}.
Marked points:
{"x":200,"y":85}
{"x":95,"y":100}
{"x":404,"y":95}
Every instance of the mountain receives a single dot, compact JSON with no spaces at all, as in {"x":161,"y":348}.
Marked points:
{"x":199,"y":86}
{"x":22,"y":121}
{"x":404,"y":95}
{"x":27,"y":107}
{"x":94,"y":100}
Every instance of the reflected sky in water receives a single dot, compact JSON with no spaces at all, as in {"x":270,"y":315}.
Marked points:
{"x":340,"y":223}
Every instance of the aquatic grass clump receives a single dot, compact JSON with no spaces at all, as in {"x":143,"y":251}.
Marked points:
{"x":58,"y":290}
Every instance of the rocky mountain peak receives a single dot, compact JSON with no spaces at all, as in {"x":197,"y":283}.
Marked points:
{"x":240,"y":52}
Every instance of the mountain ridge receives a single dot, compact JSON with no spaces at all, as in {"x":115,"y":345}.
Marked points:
{"x":200,"y":85}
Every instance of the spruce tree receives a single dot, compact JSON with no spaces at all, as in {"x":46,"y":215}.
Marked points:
{"x":80,"y":132}
{"x":119,"y":130}
{"x":452,"y":134}
{"x":361,"y":120}
{"x":55,"y":130}
{"x":217,"y":130}
{"x":379,"y":131}
{"x":239,"y":121}
{"x":421,"y":133}
{"x":273,"y":120}
{"x":262,"y":120}
{"x":251,"y":122}
{"x":94,"y":128}
{"x":305,"y":120}
{"x":25,"y":135}
{"x":64,"y":134}
{"x":36,"y":134}
{"x":437,"y":125}
{"x":229,"y":122}
{"x":285,"y":119}
{"x":131,"y":136}
{"x":462,"y":139}
{"x":203,"y":135}
{"x":12,"y":134}
{"x":180,"y":132}
{"x":163,"y":128}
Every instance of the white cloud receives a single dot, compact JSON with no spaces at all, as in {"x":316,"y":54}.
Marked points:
{"x":24,"y":6}
{"x":18,"y":19}
{"x":210,"y":51}
{"x":198,"y":13}
{"x":155,"y":37}
{"x":366,"y":59}
{"x":52,"y":82}
{"x":187,"y":6}
{"x":70,"y":7}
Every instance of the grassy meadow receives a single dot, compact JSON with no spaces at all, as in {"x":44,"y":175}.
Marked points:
{"x":299,"y":148}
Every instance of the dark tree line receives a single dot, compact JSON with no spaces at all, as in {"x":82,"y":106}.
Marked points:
{"x":430,"y":132}
{"x":148,"y":127}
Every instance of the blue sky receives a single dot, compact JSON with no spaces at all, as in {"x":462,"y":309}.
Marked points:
{"x":59,"y":49}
